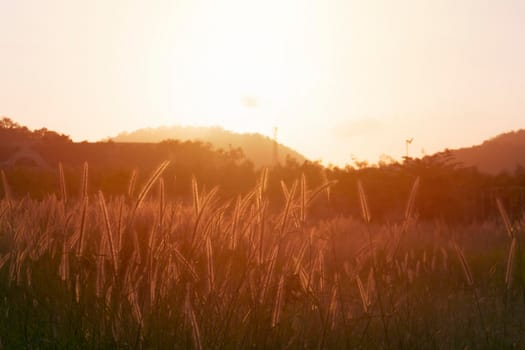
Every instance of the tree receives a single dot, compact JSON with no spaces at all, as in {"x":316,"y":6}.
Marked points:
{"x":7,"y":123}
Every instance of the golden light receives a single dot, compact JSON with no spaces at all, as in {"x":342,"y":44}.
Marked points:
{"x":245,"y":65}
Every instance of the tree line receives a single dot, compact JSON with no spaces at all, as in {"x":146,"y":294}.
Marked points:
{"x":448,"y":190}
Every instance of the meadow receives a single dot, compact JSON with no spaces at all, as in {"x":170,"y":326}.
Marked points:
{"x":141,"y":270}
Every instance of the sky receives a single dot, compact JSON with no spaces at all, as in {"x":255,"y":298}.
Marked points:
{"x":340,"y":79}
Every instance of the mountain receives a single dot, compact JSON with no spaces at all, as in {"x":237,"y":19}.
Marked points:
{"x":257,"y":148}
{"x":499,"y":154}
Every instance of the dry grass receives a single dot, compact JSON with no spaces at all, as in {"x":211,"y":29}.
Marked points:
{"x":145,"y":271}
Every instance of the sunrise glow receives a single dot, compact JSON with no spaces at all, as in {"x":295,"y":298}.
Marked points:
{"x":262,"y":174}
{"x":359,"y":78}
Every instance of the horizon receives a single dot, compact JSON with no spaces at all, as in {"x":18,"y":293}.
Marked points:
{"x":338,"y":79}
{"x":355,"y":160}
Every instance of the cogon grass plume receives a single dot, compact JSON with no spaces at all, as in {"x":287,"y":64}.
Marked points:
{"x":510,"y":263}
{"x":7,"y":190}
{"x":190,"y":313}
{"x":195,"y":195}
{"x":505,"y":218}
{"x":464,"y":265}
{"x":285,"y":190}
{"x":187,"y":264}
{"x":470,"y":282}
{"x":4,"y":259}
{"x":262,"y":183}
{"x":365,"y":212}
{"x":64,"y":263}
{"x":235,"y":220}
{"x":409,"y":213}
{"x":289,"y":199}
{"x":412,"y":199}
{"x":63,"y":191}
{"x":210,"y":265}
{"x":276,"y":314}
{"x":324,"y":187}
{"x":324,"y":179}
{"x":132,"y":182}
{"x":373,"y":279}
{"x":331,"y":317}
{"x":162,"y":201}
{"x":135,"y":308}
{"x":215,"y":293}
{"x":84,"y":208}
{"x":84,"y":185}
{"x":513,"y":250}
{"x":363,"y":294}
{"x":154,"y":177}
{"x":303,"y":201}
{"x":109,"y":231}
{"x":268,"y":276}
{"x":200,"y":205}
{"x":140,"y":198}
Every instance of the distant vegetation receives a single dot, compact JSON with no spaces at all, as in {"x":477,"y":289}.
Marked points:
{"x":257,"y":148}
{"x":503,"y":153}
{"x":450,"y":190}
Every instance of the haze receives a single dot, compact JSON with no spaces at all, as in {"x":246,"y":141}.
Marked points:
{"x":338,"y":78}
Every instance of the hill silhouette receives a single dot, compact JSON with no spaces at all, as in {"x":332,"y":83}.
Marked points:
{"x":29,"y":159}
{"x":257,"y":148}
{"x":451,"y":187}
{"x":502,"y":153}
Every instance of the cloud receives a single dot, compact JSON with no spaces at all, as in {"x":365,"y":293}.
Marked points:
{"x":359,"y":127}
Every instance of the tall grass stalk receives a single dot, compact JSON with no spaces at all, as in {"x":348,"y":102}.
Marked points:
{"x":84,"y":184}
{"x":109,"y":232}
{"x":82,"y":226}
{"x":365,"y":211}
{"x":509,"y":272}
{"x":276,"y":314}
{"x":470,"y":282}
{"x":505,"y":218}
{"x":149,"y":184}
{"x":132,"y":182}
{"x":289,"y":200}
{"x":62,"y":180}
{"x":190,"y":313}
{"x":7,"y":189}
{"x":375,"y":270}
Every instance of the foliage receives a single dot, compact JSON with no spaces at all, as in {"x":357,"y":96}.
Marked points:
{"x":450,"y":191}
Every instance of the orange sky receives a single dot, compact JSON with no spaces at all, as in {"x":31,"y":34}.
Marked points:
{"x":339,"y":78}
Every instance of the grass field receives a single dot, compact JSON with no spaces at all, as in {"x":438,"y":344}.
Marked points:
{"x":141,"y":271}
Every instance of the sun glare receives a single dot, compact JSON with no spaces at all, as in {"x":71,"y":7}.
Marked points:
{"x":243,"y":68}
